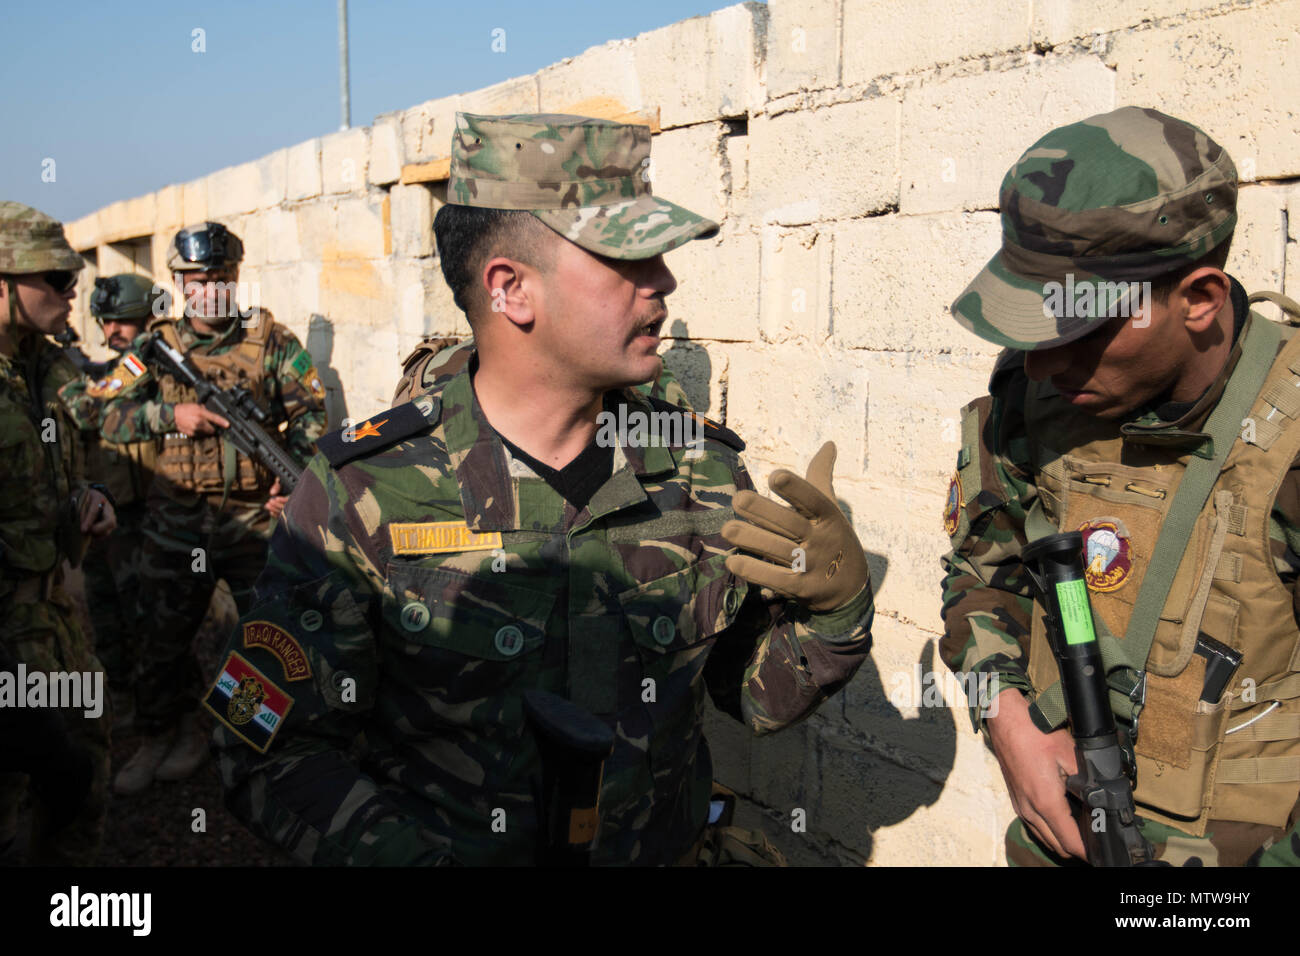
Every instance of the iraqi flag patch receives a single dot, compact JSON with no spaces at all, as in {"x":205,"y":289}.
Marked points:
{"x":133,"y":365}
{"x":952,"y":506}
{"x":248,"y":703}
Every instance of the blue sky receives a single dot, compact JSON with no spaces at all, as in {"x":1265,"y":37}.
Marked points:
{"x":115,"y":95}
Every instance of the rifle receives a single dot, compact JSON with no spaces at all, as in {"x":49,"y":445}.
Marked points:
{"x":574,"y":745}
{"x":235,"y":405}
{"x":1102,"y":791}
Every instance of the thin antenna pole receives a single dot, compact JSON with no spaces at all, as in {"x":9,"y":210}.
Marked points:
{"x":345,"y":95}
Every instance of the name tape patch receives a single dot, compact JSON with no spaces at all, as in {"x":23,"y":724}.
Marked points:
{"x":440,"y":537}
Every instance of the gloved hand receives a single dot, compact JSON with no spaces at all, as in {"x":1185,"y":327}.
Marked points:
{"x":834,"y":564}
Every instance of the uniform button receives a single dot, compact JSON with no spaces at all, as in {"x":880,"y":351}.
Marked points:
{"x":664,"y":630}
{"x":415,"y":616}
{"x":509,"y":640}
{"x":311,"y":620}
{"x":731,"y":601}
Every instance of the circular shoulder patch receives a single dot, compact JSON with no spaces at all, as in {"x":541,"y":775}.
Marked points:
{"x":952,"y":508}
{"x":1107,"y":555}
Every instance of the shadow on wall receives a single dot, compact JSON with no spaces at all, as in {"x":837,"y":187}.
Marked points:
{"x":860,"y":764}
{"x":692,"y":367}
{"x":320,"y":343}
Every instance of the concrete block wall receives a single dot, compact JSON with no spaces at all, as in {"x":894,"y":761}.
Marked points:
{"x":852,"y":150}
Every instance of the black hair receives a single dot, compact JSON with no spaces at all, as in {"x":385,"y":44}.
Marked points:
{"x":468,"y":236}
{"x":1163,"y":285}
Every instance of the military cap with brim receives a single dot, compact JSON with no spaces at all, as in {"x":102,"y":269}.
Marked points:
{"x":588,"y":179}
{"x":1105,"y":205}
{"x":31,"y":241}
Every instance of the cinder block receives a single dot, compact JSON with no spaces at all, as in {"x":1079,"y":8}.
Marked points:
{"x":786,"y":400}
{"x":901,"y":528}
{"x":872,"y":29}
{"x":318,"y":227}
{"x":721,"y":52}
{"x":420,"y":295}
{"x":412,"y":220}
{"x":518,"y":95}
{"x":361,"y":227}
{"x":783,"y":775}
{"x":234,"y":190}
{"x":896,"y":276}
{"x":427,"y":129}
{"x":1233,"y":76}
{"x":354,"y":288}
{"x":717,"y":287}
{"x":303,"y":173}
{"x":282,"y":243}
{"x":1058,"y":21}
{"x":1258,"y":253}
{"x":960,"y":136}
{"x":686,"y":168}
{"x":601,"y":75}
{"x":701,"y":372}
{"x":139,"y":215}
{"x":343,"y":159}
{"x":273,"y":171}
{"x":170,"y":213}
{"x":833,"y":163}
{"x":803,"y":46}
{"x":83,"y":234}
{"x":385,"y":150}
{"x":796,"y":284}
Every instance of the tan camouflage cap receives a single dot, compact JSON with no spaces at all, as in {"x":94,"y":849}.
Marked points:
{"x":588,"y":179}
{"x":31,"y":241}
{"x":1089,"y":213}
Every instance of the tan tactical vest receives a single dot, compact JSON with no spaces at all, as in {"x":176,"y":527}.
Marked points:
{"x":1239,"y":759}
{"x":204,"y":464}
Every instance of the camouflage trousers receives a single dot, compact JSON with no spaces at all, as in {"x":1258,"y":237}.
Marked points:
{"x":188,"y":547}
{"x":112,"y":570}
{"x":1224,"y":844}
{"x":47,"y":637}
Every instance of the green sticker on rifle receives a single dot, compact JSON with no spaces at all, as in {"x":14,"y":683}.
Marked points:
{"x":1076,"y":615}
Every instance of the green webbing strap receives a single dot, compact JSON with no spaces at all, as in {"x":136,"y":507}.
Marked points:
{"x":1258,"y":352}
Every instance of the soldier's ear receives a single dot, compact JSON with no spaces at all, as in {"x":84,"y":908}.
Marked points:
{"x":1201,"y":295}
{"x":510,"y":289}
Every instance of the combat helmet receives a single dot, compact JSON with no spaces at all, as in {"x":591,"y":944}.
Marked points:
{"x":128,"y":298}
{"x":204,"y":247}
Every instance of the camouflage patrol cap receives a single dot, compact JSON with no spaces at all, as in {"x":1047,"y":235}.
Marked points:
{"x":31,"y":241}
{"x":588,"y":179}
{"x":1101,"y":206}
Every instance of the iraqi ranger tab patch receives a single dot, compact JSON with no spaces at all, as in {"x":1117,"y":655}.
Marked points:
{"x":248,"y":703}
{"x":440,"y":537}
{"x":952,"y":509}
{"x":1107,"y":554}
{"x":379,"y":432}
{"x":281,"y":643}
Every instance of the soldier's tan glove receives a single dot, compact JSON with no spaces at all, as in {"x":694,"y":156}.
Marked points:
{"x":834,"y":567}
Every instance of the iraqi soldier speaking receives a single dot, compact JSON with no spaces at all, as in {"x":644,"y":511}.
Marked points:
{"x":123,"y":305}
{"x":444,"y":557}
{"x":210,"y":507}
{"x":1140,"y":402}
{"x":47,"y":511}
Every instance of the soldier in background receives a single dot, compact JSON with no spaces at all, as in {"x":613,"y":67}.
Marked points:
{"x":210,"y":508}
{"x":47,"y":513}
{"x":1123,"y":340}
{"x":445,"y":557}
{"x":123,"y":305}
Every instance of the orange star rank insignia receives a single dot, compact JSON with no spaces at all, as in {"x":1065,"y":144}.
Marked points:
{"x":368,"y":430}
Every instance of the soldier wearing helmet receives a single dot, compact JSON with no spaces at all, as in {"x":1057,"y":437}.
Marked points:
{"x":123,"y":305}
{"x":47,"y":512}
{"x":210,"y":508}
